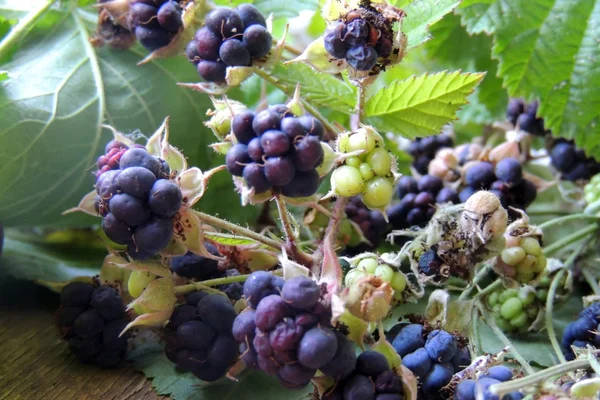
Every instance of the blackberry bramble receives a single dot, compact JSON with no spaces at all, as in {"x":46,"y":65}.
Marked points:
{"x":155,"y":22}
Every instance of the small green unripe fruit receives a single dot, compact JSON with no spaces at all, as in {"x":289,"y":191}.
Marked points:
{"x":511,"y":308}
{"x":398,"y":282}
{"x":385,"y":272}
{"x":347,"y":181}
{"x":380,"y":161}
{"x":366,"y":171}
{"x":138,"y":281}
{"x":378,"y":192}
{"x":367,"y":265}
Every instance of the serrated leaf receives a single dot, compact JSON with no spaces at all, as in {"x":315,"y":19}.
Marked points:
{"x":420,"y":106}
{"x":479,"y":15}
{"x":317,"y":88}
{"x":252,"y":385}
{"x":420,"y":15}
{"x":28,"y":257}
{"x":60,"y":90}
{"x":228,"y":240}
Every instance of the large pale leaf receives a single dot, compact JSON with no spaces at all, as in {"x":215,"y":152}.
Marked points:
{"x":252,"y":385}
{"x":58,"y":92}
{"x":421,"y":105}
{"x":420,"y":15}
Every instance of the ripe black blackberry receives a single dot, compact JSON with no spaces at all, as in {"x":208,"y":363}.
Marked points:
{"x":362,"y":37}
{"x":371,"y":223}
{"x":432,"y":355}
{"x":571,"y":162}
{"x":230,"y":38}
{"x":155,"y":22}
{"x":287,"y":332}
{"x":277,"y":150}
{"x":199,"y":337}
{"x":137,"y":201}
{"x":581,"y":332}
{"x":423,"y":150}
{"x":417,"y":200}
{"x":505,"y":180}
{"x":91,"y":318}
{"x":200,"y":268}
{"x":524,"y":116}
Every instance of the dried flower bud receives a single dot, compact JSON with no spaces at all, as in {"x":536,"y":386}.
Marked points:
{"x":484,"y":215}
{"x":369,"y":298}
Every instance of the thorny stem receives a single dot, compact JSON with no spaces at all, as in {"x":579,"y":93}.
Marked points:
{"x":567,"y":218}
{"x":572,"y":238}
{"x":479,"y":276}
{"x":22,"y":27}
{"x":312,"y":110}
{"x":220,"y":223}
{"x":290,"y":242}
{"x":550,"y":300}
{"x":498,"y":332}
{"x":538,"y":377}
{"x":190,"y":287}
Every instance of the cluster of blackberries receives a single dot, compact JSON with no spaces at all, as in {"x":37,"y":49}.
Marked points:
{"x":277,"y":150}
{"x":524,"y":116}
{"x":582,"y":332}
{"x":91,"y":318}
{"x":358,"y":41}
{"x":230,"y":38}
{"x":433,"y":357}
{"x":418,"y":199}
{"x":200,"y":268}
{"x":505,"y":180}
{"x":371,"y":223}
{"x":155,"y":22}
{"x":571,"y":162}
{"x":199,"y":337}
{"x":373,"y":379}
{"x":137,"y":202}
{"x":423,"y":150}
{"x":287,"y":332}
{"x":467,"y":389}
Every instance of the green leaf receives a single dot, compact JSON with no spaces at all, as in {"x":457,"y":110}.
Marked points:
{"x":479,"y":15}
{"x":228,"y":240}
{"x":252,"y":385}
{"x":59,"y":92}
{"x":319,"y":89}
{"x":28,"y":256}
{"x":421,"y":105}
{"x":420,"y":15}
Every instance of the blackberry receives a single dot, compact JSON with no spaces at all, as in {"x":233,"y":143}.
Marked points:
{"x":524,"y":116}
{"x":155,"y":27}
{"x":571,"y":162}
{"x":423,"y":150}
{"x":433,"y":356}
{"x":276,"y":151}
{"x":91,"y":318}
{"x":371,"y":223}
{"x":199,"y":337}
{"x":230,"y":38}
{"x":137,"y":201}
{"x":468,"y":388}
{"x":581,"y":332}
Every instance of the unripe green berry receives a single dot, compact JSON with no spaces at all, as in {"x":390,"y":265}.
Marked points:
{"x":353,"y":276}
{"x":527,"y":297}
{"x":526,"y":266}
{"x":511,"y":307}
{"x":502,"y":323}
{"x":519,"y":320}
{"x":381,"y":161}
{"x":398,"y":282}
{"x":507,"y":293}
{"x":353,"y":161}
{"x":513,"y":255}
{"x":378,"y":192}
{"x":541,"y":263}
{"x":367,"y":265}
{"x":531,"y":246}
{"x":138,"y":281}
{"x":385,"y":272}
{"x":366,"y":171}
{"x":361,"y":140}
{"x":493,"y":299}
{"x":347,"y":181}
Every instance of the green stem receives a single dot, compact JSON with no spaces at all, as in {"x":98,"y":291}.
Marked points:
{"x":190,"y":287}
{"x":543,"y":213}
{"x":489,"y":288}
{"x":312,"y":110}
{"x":478,"y":277}
{"x":22,"y":27}
{"x":567,"y":218}
{"x":220,"y":223}
{"x":477,"y":347}
{"x":591,"y":280}
{"x":360,"y":103}
{"x":572,"y":238}
{"x":498,"y":332}
{"x":538,"y":377}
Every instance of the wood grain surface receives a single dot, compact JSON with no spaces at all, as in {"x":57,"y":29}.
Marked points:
{"x":36,"y":364}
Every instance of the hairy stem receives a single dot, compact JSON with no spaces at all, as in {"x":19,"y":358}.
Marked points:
{"x":538,"y":377}
{"x":24,"y":25}
{"x":567,"y":218}
{"x":221,"y":223}
{"x":331,"y":233}
{"x":312,"y":110}
{"x":290,"y":238}
{"x":190,"y":287}
{"x":360,"y":103}
{"x":572,"y":238}
{"x":489,"y":289}
{"x":498,"y":332}
{"x":550,"y":300}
